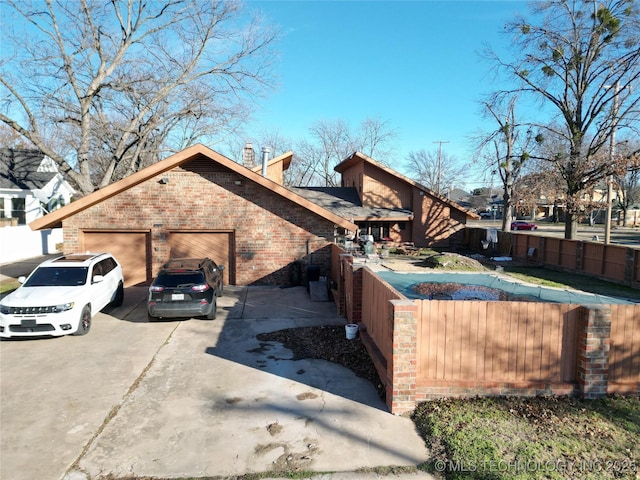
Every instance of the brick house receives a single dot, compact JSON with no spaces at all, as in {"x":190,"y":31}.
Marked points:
{"x":200,"y":203}
{"x":388,"y":205}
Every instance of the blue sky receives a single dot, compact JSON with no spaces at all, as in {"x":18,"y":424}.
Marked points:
{"x":415,"y":64}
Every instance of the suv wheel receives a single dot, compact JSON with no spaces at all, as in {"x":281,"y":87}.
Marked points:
{"x":214,"y":310}
{"x":119,"y":297}
{"x":85,"y":321}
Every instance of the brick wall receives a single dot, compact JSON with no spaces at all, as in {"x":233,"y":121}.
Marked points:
{"x":270,"y":232}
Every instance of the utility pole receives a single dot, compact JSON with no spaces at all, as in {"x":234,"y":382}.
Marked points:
{"x":612,"y":146}
{"x":439,"y":165}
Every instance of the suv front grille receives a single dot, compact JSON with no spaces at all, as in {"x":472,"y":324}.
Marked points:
{"x":31,"y":310}
{"x":46,"y":327}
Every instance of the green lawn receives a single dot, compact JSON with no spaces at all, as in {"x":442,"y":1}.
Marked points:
{"x":531,"y":438}
{"x":552,"y":278}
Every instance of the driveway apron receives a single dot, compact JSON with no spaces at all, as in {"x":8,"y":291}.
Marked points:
{"x":193,"y":398}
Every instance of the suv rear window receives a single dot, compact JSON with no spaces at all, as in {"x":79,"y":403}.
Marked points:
{"x":57,"y":277}
{"x":179,"y":279}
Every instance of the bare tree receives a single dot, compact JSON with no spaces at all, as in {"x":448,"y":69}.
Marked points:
{"x":376,"y":139}
{"x":120,"y":83}
{"x":581,"y":60}
{"x":627,"y":185}
{"x":435,"y":170}
{"x":507,"y":149}
{"x":540,"y":183}
{"x":331,"y":141}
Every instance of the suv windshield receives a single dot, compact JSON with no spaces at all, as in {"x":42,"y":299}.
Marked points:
{"x":57,"y":277}
{"x":179,"y":279}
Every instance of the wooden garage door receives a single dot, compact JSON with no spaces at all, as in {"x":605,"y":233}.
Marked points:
{"x":215,"y":245}
{"x":129,"y":248}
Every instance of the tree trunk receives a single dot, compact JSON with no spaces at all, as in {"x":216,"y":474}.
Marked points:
{"x":570,"y":225}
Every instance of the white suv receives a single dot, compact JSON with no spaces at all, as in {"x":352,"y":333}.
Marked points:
{"x":61,"y":296}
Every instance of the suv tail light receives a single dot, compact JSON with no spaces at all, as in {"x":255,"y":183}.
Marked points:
{"x":156,"y":288}
{"x":200,"y":288}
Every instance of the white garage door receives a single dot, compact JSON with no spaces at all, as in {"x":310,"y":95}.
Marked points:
{"x":131,"y":249}
{"x":215,"y":245}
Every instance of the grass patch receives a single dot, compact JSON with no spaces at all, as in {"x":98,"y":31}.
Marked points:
{"x":553,"y":278}
{"x":531,"y":438}
{"x":8,"y":285}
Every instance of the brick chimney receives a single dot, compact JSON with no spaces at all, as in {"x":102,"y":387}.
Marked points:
{"x":248,"y":156}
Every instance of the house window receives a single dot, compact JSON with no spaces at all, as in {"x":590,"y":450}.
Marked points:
{"x":2,"y":215}
{"x":17,"y":210}
{"x":402,"y":226}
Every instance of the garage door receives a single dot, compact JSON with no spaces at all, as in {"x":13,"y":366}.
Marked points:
{"x":215,"y":245}
{"x":131,"y":249}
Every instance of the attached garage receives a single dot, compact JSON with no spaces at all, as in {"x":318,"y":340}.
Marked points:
{"x":199,"y":244}
{"x":198,"y":203}
{"x":130,"y":248}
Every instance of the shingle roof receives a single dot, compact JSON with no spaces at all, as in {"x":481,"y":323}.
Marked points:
{"x":358,"y":157}
{"x":55,"y":218}
{"x":345,"y":202}
{"x":19,"y":169}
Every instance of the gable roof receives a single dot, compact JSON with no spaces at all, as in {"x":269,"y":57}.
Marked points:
{"x":345,"y":201}
{"x":24,"y":169}
{"x":54,"y":219}
{"x":285,"y":158}
{"x":358,"y":157}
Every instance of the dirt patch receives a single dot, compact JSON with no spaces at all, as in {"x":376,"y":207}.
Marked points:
{"x":290,"y":461}
{"x":433,"y":261}
{"x":274,"y":429}
{"x":328,"y":343}
{"x":306,"y":396}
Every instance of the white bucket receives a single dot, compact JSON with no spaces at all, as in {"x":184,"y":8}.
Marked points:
{"x":351,"y":330}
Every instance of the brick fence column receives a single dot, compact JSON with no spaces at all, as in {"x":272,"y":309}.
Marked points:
{"x":594,"y":336}
{"x":401,"y":392}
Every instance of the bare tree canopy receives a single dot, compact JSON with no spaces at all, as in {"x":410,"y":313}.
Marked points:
{"x":436,"y":169}
{"x":105,"y":88}
{"x":329,"y":143}
{"x":581,"y":60}
{"x":507,"y":150}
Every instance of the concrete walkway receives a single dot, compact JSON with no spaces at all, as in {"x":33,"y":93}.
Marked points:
{"x":194,"y":398}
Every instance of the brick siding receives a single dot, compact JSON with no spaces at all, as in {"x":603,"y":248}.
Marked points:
{"x":270,"y":232}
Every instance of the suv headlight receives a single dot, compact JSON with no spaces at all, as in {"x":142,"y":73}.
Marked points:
{"x":64,"y":307}
{"x":4,"y":309}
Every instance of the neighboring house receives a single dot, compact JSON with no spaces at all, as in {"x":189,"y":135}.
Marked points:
{"x":388,"y":205}
{"x":30,"y":186}
{"x":200,"y":203}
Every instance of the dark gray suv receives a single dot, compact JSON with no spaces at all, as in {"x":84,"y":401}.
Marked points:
{"x":186,"y":287}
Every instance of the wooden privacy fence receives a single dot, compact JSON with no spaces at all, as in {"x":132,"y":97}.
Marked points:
{"x":427,"y":349}
{"x":615,"y":263}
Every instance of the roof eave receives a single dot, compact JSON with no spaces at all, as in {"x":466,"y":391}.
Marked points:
{"x":54,"y":219}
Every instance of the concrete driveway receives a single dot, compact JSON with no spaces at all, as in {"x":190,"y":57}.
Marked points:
{"x":191,"y":398}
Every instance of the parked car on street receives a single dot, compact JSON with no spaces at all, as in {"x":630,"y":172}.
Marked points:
{"x":61,"y":296}
{"x":520,"y":225}
{"x":186,"y":287}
